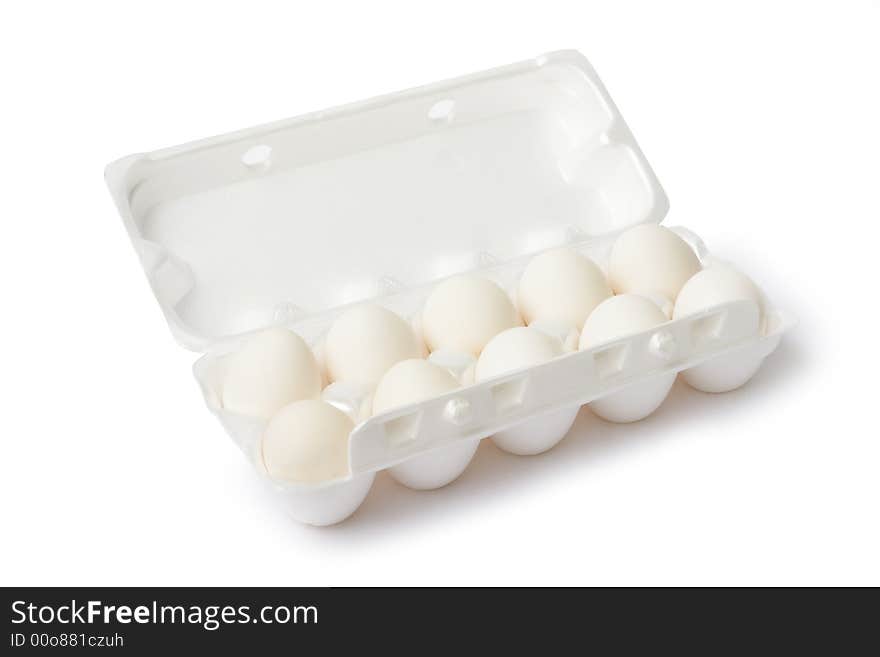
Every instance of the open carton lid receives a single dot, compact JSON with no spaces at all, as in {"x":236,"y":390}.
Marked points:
{"x":286,"y":222}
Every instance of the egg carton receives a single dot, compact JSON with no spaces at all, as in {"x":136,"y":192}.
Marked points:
{"x":291,"y":223}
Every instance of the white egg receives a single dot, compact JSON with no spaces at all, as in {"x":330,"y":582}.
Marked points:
{"x":618,"y":317}
{"x":465,"y":312}
{"x":713,"y":286}
{"x":516,"y":348}
{"x":307,"y":442}
{"x":651,"y":259}
{"x":411,"y":381}
{"x":272,"y":369}
{"x":365,"y":342}
{"x":561,"y":286}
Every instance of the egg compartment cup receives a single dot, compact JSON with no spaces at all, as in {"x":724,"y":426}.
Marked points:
{"x":290,"y":223}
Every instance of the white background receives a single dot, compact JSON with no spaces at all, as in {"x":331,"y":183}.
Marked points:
{"x":762,"y":121}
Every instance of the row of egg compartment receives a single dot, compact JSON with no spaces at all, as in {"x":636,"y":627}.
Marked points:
{"x":469,"y":330}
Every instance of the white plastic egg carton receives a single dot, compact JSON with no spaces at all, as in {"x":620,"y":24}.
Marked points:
{"x":291,"y":223}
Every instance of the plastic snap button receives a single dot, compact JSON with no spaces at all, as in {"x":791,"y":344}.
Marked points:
{"x":457,"y":411}
{"x":662,"y":345}
{"x":258,"y":157}
{"x":443,"y":111}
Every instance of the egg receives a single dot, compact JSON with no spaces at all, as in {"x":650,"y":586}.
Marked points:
{"x":516,"y":348}
{"x":713,"y":286}
{"x":561,"y":286}
{"x":411,"y":381}
{"x":307,"y":442}
{"x":618,"y":317}
{"x":272,"y":369}
{"x":365,"y":342}
{"x":651,"y":259}
{"x":464,"y":312}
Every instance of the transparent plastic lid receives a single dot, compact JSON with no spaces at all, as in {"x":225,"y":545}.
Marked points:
{"x":291,"y":219}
